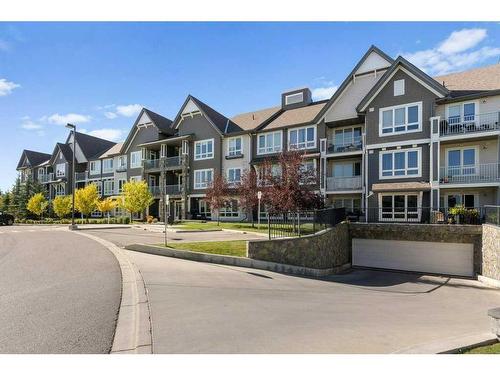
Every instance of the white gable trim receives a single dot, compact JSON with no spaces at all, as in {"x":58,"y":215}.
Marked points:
{"x":373,"y":61}
{"x":431,"y":89}
{"x":144,"y":120}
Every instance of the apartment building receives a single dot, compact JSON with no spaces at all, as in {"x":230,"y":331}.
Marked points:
{"x":390,"y":141}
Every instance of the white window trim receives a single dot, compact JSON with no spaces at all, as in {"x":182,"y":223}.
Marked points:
{"x":259,"y":152}
{"x":393,"y":108}
{"x":297,"y":94}
{"x":462,"y":105}
{"x":58,"y":172}
{"x":405,"y":150}
{"x":405,"y":219}
{"x":232,"y":169}
{"x":461,"y":149}
{"x":198,"y":157}
{"x":224,"y":212}
{"x":107,"y":170}
{"x":107,"y":191}
{"x":97,"y":169}
{"x":121,"y":161}
{"x":60,"y":189}
{"x":228,"y":152}
{"x":201,"y":185}
{"x":136,"y":165}
{"x":303,"y":128}
{"x":403,"y":83}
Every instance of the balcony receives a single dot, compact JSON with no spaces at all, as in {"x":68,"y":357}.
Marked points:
{"x":121,"y":168}
{"x":479,"y":123}
{"x":81,"y":176}
{"x":169,"y":189}
{"x":173,"y":162}
{"x":152,"y":164}
{"x":472,"y":174}
{"x":343,"y":183}
{"x":355,"y":144}
{"x":155,"y":190}
{"x":43,"y":178}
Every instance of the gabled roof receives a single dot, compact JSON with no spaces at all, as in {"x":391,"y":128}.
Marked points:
{"x":34,"y":158}
{"x":484,"y":78}
{"x":65,"y":149}
{"x":113,"y":151}
{"x":295,"y":116}
{"x":163,"y":124}
{"x":401,"y":62}
{"x":251,"y":120}
{"x":349,"y":77}
{"x":221,"y":123}
{"x":91,"y":146}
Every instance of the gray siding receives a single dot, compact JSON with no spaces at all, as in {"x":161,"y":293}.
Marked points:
{"x":143,"y":135}
{"x":414,"y":92}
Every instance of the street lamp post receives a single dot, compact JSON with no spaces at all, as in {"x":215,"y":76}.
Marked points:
{"x":165,"y":215}
{"x":259,"y":196}
{"x":73,"y":226}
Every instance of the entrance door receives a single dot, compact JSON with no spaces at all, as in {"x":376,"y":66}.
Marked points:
{"x":177,"y":210}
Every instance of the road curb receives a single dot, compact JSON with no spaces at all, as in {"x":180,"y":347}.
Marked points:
{"x":236,"y":261}
{"x":133,"y":333}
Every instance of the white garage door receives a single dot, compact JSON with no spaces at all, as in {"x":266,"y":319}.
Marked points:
{"x":428,"y":257}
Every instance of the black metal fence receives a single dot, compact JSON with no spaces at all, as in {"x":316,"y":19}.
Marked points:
{"x":426,"y":215}
{"x":297,"y":224}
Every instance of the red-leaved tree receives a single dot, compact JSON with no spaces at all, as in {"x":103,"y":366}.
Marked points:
{"x":217,"y":194}
{"x":247,"y":192}
{"x":287,"y":185}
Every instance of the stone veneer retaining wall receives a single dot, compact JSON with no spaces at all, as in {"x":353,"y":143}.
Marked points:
{"x":423,"y":232}
{"x":491,"y":251}
{"x":324,"y":250}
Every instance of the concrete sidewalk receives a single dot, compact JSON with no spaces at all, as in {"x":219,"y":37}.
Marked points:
{"x":207,"y":308}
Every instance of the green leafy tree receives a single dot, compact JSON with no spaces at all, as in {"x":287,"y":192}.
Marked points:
{"x":136,"y":197}
{"x":37,"y":204}
{"x":62,"y":205}
{"x":86,"y":199}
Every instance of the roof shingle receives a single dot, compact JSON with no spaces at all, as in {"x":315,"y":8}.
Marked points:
{"x":485,"y":78}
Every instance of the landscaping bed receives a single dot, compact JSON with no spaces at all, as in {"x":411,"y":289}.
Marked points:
{"x":232,"y":248}
{"x":488,"y":349}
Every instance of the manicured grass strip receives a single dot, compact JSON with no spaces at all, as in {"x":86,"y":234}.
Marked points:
{"x":489,"y":349}
{"x":234,"y":248}
{"x":306,"y":228}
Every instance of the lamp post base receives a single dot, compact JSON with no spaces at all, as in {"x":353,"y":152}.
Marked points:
{"x":73,"y":227}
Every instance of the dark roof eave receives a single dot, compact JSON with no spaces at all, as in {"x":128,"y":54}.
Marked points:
{"x":166,"y":140}
{"x":478,"y":95}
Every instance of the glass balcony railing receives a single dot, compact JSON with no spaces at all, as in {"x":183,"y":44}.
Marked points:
{"x":343,"y":183}
{"x":353,"y":144}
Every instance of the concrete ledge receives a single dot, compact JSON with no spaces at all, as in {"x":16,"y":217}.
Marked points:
{"x":235,"y":261}
{"x":451,"y":345}
{"x":133,"y":334}
{"x":102,"y":226}
{"x":489,"y":281}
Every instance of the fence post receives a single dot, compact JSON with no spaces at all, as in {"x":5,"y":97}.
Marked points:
{"x":298,"y":222}
{"x":268,"y":225}
{"x":315,"y":213}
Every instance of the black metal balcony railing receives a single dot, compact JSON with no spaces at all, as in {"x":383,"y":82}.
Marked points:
{"x":457,"y":125}
{"x":81,"y":176}
{"x":424,"y":215}
{"x":169,"y":189}
{"x":354,"y":144}
{"x":470,"y":174}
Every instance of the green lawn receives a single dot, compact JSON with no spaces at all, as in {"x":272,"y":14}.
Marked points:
{"x":489,"y":349}
{"x":211,"y":225}
{"x":234,"y":248}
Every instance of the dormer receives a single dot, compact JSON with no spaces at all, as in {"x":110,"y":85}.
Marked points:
{"x":296,"y":98}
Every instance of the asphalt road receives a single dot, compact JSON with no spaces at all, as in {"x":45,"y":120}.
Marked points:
{"x":208,"y":308}
{"x":59,"y":292}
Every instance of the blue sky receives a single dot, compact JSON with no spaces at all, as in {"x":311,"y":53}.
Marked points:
{"x":98,"y":75}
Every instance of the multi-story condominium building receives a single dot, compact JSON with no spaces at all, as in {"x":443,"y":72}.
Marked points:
{"x":391,"y":144}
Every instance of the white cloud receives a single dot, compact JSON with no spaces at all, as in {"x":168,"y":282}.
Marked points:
{"x":128,"y":110}
{"x":321,"y":93}
{"x":110,"y":115}
{"x":454,"y":53}
{"x":6,"y":87}
{"x":72,"y":118}
{"x":462,"y":40}
{"x":107,"y":133}
{"x":30,"y":125}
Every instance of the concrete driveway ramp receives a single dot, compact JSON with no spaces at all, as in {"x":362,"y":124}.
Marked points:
{"x":454,"y":259}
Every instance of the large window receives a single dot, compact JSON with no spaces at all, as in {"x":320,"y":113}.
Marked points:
{"x":203,"y":178}
{"x":461,"y":113}
{"x":302,"y":138}
{"x":60,"y":189}
{"x":107,"y":165}
{"x":466,"y":200}
{"x":461,"y":161}
{"x":350,"y":204}
{"x":204,"y":149}
{"x":400,"y":163}
{"x":348,"y":169}
{"x":135,"y":159}
{"x":347,"y":139}
{"x":234,"y":176}
{"x":230,"y":209}
{"x":95,"y":167}
{"x":60,"y":170}
{"x":269,"y":143}
{"x":400,"y":119}
{"x":400,"y":207}
{"x":122,"y":162}
{"x":109,"y":187}
{"x":234,"y":147}
{"x":294,"y":98}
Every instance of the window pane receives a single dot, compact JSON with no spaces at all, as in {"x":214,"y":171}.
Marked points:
{"x":469,"y":110}
{"x":454,"y":111}
{"x":293,"y":137}
{"x":339,"y":137}
{"x":454,"y":158}
{"x":387,"y":162}
{"x":399,"y":201}
{"x":469,"y":156}
{"x":277,"y":141}
{"x":357,"y":169}
{"x":412,"y":159}
{"x":469,"y":200}
{"x":412,"y":114}
{"x":387,"y":201}
{"x":399,"y":160}
{"x":412,"y":201}
{"x":262,"y":141}
{"x":399,"y":116}
{"x":238,"y":143}
{"x":310,"y":134}
{"x":387,"y":119}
